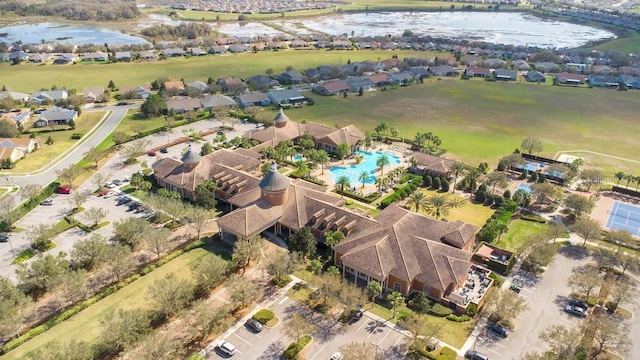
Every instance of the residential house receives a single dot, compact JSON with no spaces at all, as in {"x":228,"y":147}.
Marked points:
{"x":419,"y":72}
{"x":602,"y":81}
{"x":632,"y":82}
{"x":93,"y":94}
{"x":14,"y":95}
{"x":577,"y":67}
{"x":262,"y":82}
{"x":380,"y":79}
{"x":124,"y":56}
{"x":253,"y":99}
{"x":175,"y":86}
{"x":232,"y":85}
{"x":64,"y":59}
{"x":287,"y":96}
{"x":16,"y":117}
{"x":14,"y":149}
{"x":535,"y":76}
{"x":432,"y":165}
{"x":217,"y":50}
{"x":47,"y":96}
{"x":300,"y":45}
{"x":148,"y":55}
{"x":55,"y":116}
{"x":95,"y":56}
{"x":547,"y":67}
{"x":39,"y":58}
{"x":196,"y":51}
{"x":443,"y":70}
{"x":630,"y":70}
{"x":341,"y":45}
{"x":172,"y":52}
{"x":333,"y":87}
{"x":521,"y":65}
{"x":495,"y":63}
{"x":211,"y":102}
{"x":136,"y":92}
{"x":565,"y":78}
{"x":183,"y":105}
{"x":238,"y":48}
{"x":226,"y":40}
{"x":199,"y":85}
{"x":505,"y":75}
{"x":292,"y":77}
{"x":474,"y":71}
{"x":402,"y":78}
{"x":357,"y":83}
{"x":18,"y":56}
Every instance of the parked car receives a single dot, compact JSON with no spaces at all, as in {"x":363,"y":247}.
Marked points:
{"x":117,"y":182}
{"x":475,"y":355}
{"x":4,"y":238}
{"x":499,"y":330}
{"x":164,"y":150}
{"x":357,"y":315}
{"x":254,"y":325}
{"x":578,"y":303}
{"x":227,"y":348}
{"x":47,"y":202}
{"x":64,"y":189}
{"x":516,"y":287}
{"x":152,"y":153}
{"x":122,"y":201}
{"x":109,"y":185}
{"x":134,"y":205}
{"x":103,"y":193}
{"x":336,"y":356}
{"x":576,"y":310}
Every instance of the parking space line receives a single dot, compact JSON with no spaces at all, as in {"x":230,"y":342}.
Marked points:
{"x":490,"y":349}
{"x":319,"y":351}
{"x":397,"y":341}
{"x":385,"y":336}
{"x":361,"y":326}
{"x":374,"y":330}
{"x":239,"y":337}
{"x":284,"y":299}
{"x":569,"y":321}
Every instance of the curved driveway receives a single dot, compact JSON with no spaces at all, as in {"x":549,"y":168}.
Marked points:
{"x":48,"y":173}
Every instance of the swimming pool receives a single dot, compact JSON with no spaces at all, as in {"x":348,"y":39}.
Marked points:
{"x":298,"y":157}
{"x":352,"y":172}
{"x":524,"y":187}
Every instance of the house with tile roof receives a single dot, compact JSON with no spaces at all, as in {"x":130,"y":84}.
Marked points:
{"x":333,"y":87}
{"x":93,"y":94}
{"x":432,"y":165}
{"x":55,"y":117}
{"x":253,"y":99}
{"x":565,"y":78}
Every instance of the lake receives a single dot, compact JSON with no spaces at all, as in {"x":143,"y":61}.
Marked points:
{"x":494,"y":27}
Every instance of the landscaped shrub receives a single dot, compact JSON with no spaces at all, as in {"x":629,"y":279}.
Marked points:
{"x":498,"y":200}
{"x":533,"y":217}
{"x":461,"y":318}
{"x":480,"y":196}
{"x":447,"y":353}
{"x":388,"y":201}
{"x":489,"y":200}
{"x":439,"y":310}
{"x":534,"y":176}
{"x":296,"y":347}
{"x":507,"y":195}
{"x":76,"y":136}
{"x":263,"y":316}
{"x":419,"y":303}
{"x":542,"y":178}
{"x":427,"y":181}
{"x":497,"y":279}
{"x":445,"y":185}
{"x":436,"y":183}
{"x":524,"y":175}
{"x":365,"y":199}
{"x":281,"y":281}
{"x":472,"y":309}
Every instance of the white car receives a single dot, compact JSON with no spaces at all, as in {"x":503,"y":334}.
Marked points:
{"x":227,"y":348}
{"x":47,"y":202}
{"x":336,"y":356}
{"x":109,"y":185}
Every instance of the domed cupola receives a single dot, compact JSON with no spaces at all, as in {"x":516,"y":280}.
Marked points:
{"x":281,"y":119}
{"x":273,"y":187}
{"x":191,"y":159}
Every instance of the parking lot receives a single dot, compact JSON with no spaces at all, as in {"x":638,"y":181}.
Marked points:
{"x":547,"y":297}
{"x":330,"y":335}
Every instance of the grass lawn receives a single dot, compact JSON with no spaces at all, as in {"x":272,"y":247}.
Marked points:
{"x":452,"y":333}
{"x":519,"y":230}
{"x":134,"y":118}
{"x":62,"y":142}
{"x":85,"y":326}
{"x":470,"y":213}
{"x":483,"y":121}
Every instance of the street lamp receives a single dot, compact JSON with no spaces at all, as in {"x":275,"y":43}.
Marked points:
{"x":378,"y":348}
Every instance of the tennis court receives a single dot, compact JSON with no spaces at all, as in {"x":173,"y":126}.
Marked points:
{"x":624,"y":217}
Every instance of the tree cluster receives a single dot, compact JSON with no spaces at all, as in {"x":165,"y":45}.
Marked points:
{"x":188,"y":30}
{"x":76,"y":10}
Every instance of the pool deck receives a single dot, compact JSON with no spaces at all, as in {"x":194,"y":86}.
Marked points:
{"x":368,"y":188}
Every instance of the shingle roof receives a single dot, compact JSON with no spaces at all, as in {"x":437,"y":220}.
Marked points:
{"x":433,"y":163}
{"x":191,"y":157}
{"x":273,"y":180}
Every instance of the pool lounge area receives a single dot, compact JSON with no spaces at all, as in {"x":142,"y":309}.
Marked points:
{"x":368,"y":163}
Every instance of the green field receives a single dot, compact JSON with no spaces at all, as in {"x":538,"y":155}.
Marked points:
{"x":483,"y":121}
{"x":470,"y":213}
{"x":85,"y":326}
{"x":519,"y":230}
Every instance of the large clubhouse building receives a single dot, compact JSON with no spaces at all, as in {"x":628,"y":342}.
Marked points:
{"x":403,"y":250}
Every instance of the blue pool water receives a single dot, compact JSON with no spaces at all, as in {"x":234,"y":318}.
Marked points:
{"x":297,"y":157}
{"x":368,"y":164}
{"x":524,"y":187}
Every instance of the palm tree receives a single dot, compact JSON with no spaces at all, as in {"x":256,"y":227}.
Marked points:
{"x":343,"y":182}
{"x":473,"y":174}
{"x":620,"y":175}
{"x":301,"y":167}
{"x":382,"y":162}
{"x":396,"y":299}
{"x":637,"y":180}
{"x":323,"y":159}
{"x":628,"y":177}
{"x":439,"y":205}
{"x":417,"y":202}
{"x":364,"y":177}
{"x":456,"y":169}
{"x":382,"y":182}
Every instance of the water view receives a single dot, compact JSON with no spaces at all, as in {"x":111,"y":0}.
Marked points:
{"x":368,"y":163}
{"x":65,"y":34}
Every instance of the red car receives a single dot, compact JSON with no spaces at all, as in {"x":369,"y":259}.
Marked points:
{"x":103,"y":192}
{"x":152,"y":153}
{"x":64,"y":189}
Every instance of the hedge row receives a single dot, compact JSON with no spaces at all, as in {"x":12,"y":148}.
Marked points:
{"x":365,"y":199}
{"x":532,"y":217}
{"x":263,"y":316}
{"x":296,"y":347}
{"x":502,"y":216}
{"x":22,"y":210}
{"x":412,"y":182}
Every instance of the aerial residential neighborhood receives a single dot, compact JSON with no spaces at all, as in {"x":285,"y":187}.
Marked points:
{"x":351,"y":193}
